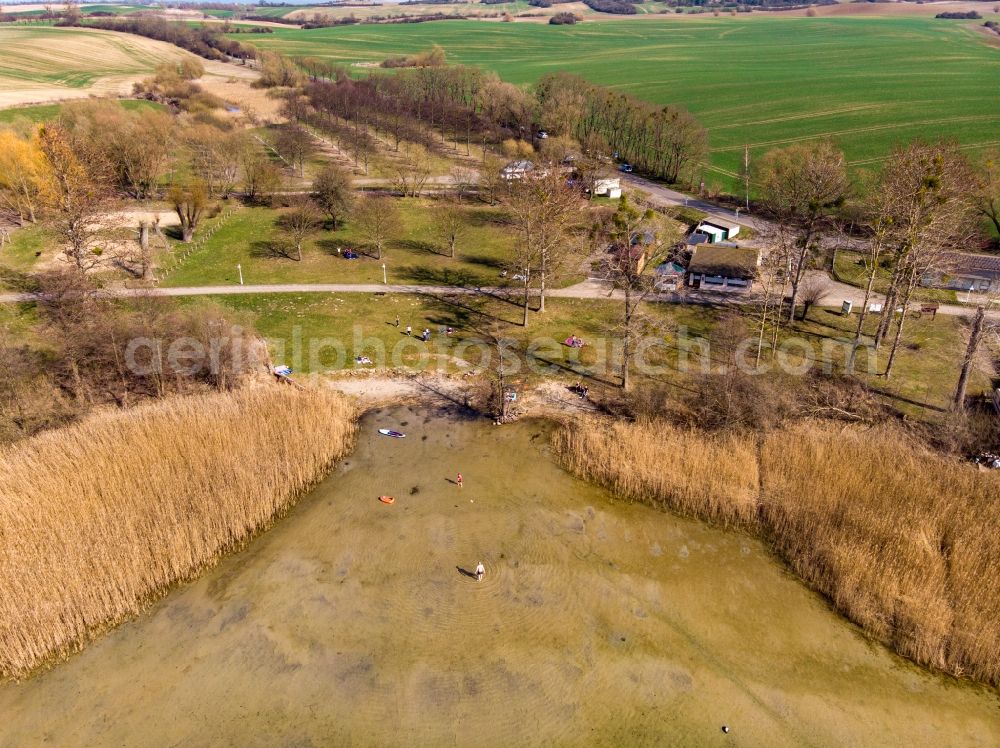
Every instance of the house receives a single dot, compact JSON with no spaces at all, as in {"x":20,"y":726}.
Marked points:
{"x":608,"y":188}
{"x":722,"y":267}
{"x":516,"y":170}
{"x":669,"y":276}
{"x":719,"y":229}
{"x":967,"y":272}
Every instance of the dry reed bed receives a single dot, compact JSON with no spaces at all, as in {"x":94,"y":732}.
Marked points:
{"x":902,"y":541}
{"x":99,"y":518}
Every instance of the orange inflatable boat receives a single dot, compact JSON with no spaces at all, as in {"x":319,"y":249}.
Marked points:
{"x":387,"y":499}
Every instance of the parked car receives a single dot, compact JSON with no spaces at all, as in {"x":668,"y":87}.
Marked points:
{"x":542,"y":135}
{"x":626,"y":167}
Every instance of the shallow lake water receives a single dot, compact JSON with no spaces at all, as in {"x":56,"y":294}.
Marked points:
{"x":597,"y":623}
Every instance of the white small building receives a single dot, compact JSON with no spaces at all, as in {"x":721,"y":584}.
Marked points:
{"x":516,"y":170}
{"x":611,"y":187}
{"x":719,"y":229}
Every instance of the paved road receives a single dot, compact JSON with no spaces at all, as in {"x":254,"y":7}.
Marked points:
{"x":592,"y":288}
{"x":668,"y":197}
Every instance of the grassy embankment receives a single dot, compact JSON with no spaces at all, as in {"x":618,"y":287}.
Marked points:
{"x":867,"y":83}
{"x":901,"y":541}
{"x":101,"y":517}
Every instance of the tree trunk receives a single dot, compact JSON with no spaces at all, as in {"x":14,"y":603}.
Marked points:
{"x":452,"y":243}
{"x":541,"y":288}
{"x":187,"y":233}
{"x":888,"y":309}
{"x":899,"y":329}
{"x":978,"y":326}
{"x":298,"y":251}
{"x":527,"y":299}
{"x":861,"y":319}
{"x":627,"y":337}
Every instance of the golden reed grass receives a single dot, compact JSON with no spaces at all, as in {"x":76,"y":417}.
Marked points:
{"x":99,"y":518}
{"x":903,"y":541}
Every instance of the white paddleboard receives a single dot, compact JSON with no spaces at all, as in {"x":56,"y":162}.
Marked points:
{"x":393,"y":434}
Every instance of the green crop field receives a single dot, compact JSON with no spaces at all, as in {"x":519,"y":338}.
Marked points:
{"x":47,"y":112}
{"x":867,"y":83}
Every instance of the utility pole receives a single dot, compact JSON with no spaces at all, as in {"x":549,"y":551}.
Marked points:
{"x":385,"y":279}
{"x":239,"y":269}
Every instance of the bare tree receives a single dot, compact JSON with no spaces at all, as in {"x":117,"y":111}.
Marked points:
{"x":803,"y":185}
{"x":926,"y":214}
{"x":189,"y":200}
{"x":545,"y":212}
{"x":812,"y":292}
{"x":982,"y":324}
{"x":332,"y":192}
{"x":450,"y":227}
{"x":296,"y":145}
{"x":301,"y":222}
{"x":462,"y":180}
{"x":411,"y":175}
{"x":77,"y":194}
{"x":377,"y":220}
{"x":639,"y":240}
{"x":261,"y":178}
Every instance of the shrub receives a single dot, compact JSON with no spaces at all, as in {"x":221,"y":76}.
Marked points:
{"x":560,"y":19}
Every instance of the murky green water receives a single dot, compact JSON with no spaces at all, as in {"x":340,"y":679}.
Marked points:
{"x":352,"y":622}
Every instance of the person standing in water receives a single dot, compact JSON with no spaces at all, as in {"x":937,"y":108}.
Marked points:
{"x":480,"y":571}
{"x":458,"y":480}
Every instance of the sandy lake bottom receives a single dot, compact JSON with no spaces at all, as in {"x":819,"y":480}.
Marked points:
{"x":598,"y":623}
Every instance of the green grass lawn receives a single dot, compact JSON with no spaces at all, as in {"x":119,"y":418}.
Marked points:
{"x":414,"y":257}
{"x":306,"y":331}
{"x":302,"y":329}
{"x":846,"y":269}
{"x":926,"y":368}
{"x":867,"y":83}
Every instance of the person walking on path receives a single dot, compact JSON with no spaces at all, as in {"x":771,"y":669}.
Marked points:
{"x":409,"y":330}
{"x":480,"y":571}
{"x":397,"y":320}
{"x":458,"y":480}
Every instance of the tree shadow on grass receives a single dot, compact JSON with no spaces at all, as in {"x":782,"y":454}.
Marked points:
{"x":493,"y":263}
{"x":15,"y":280}
{"x":418,"y":245}
{"x":444,"y":276}
{"x":274,"y":249}
{"x":481,"y":217}
{"x":463,"y":311}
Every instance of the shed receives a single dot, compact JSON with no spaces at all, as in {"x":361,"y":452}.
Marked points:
{"x":727,"y":229}
{"x":611,"y":187}
{"x":722,"y":267}
{"x":714,"y":233}
{"x":669,"y":275}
